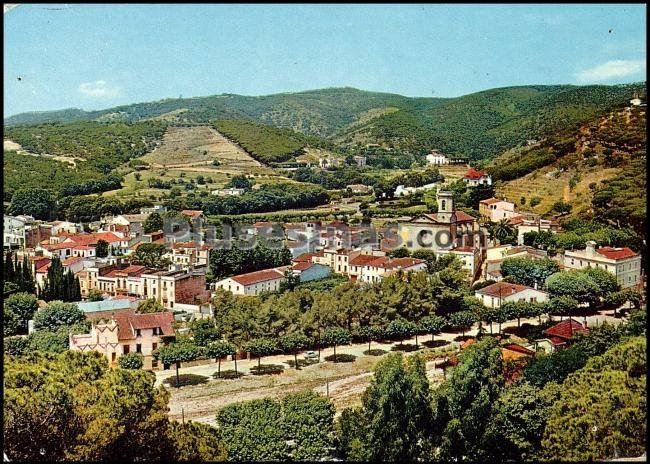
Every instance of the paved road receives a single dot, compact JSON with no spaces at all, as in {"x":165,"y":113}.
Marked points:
{"x":358,"y":349}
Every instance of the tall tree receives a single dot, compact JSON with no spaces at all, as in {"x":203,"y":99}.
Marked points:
{"x":469,"y":395}
{"x":394,"y":421}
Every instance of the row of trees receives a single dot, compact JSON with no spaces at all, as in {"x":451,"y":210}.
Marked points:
{"x":17,"y":275}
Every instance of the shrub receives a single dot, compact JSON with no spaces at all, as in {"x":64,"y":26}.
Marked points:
{"x":131,"y":361}
{"x":186,"y":379}
{"x":341,"y":358}
{"x":535,"y":201}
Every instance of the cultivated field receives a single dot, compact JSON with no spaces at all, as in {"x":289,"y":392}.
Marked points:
{"x":551,"y":186}
{"x":189,"y":152}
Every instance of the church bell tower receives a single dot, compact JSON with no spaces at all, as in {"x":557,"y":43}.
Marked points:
{"x":445,"y":206}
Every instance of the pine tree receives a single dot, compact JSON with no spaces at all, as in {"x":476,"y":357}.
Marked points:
{"x":9,"y":269}
{"x":29,"y":285}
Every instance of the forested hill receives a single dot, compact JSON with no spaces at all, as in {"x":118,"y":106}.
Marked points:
{"x":479,"y":125}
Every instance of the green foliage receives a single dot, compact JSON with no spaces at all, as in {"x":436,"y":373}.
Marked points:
{"x":150,"y":305}
{"x":131,"y":361}
{"x":196,"y":442}
{"x":59,"y":284}
{"x":622,"y":199}
{"x":71,"y":400}
{"x":37,"y":202}
{"x":24,"y":306}
{"x":468,"y":397}
{"x":394,"y":422}
{"x":153,"y":223}
{"x":529,"y":272}
{"x":103,"y":146}
{"x":95,"y":295}
{"x":241,"y":259}
{"x":293,"y":343}
{"x":241,"y":182}
{"x":150,"y":255}
{"x":575,"y":284}
{"x":261,"y":347}
{"x":265,"y":143}
{"x":58,"y":314}
{"x":270,"y":197}
{"x":601,"y":411}
{"x":10,"y":322}
{"x":400,"y":329}
{"x":462,"y":320}
{"x":299,"y":427}
{"x":516,"y":426}
{"x":204,"y":332}
{"x":555,"y":367}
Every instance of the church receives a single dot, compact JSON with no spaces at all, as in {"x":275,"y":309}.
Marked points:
{"x":442,"y":232}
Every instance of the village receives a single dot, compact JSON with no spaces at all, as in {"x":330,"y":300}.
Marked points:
{"x":100,"y":254}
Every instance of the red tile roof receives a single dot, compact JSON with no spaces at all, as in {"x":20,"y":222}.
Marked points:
{"x":403,"y":263}
{"x":461,"y":216}
{"x":91,"y":239}
{"x":131,"y":270}
{"x":474,"y":174}
{"x":465,"y":249}
{"x":304,"y":258}
{"x":616,"y":253}
{"x":257,"y":277}
{"x":179,"y":245}
{"x":193,"y":213}
{"x":72,"y":260}
{"x":565,"y":329}
{"x":518,"y":349}
{"x":502,"y":289}
{"x":490,"y":201}
{"x":302,"y":266}
{"x":128,"y":322}
{"x":362,"y":260}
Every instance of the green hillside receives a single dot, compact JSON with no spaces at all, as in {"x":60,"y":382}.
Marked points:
{"x":268,"y":144}
{"x":477,"y":126}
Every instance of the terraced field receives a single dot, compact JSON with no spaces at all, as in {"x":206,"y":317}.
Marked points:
{"x":189,"y":152}
{"x":550,"y":187}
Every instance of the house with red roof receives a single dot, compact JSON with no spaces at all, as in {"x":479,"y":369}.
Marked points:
{"x":560,"y":335}
{"x":623,"y":262}
{"x":473,"y":178}
{"x":126,"y":332}
{"x":253,"y":283}
{"x":493,"y":296}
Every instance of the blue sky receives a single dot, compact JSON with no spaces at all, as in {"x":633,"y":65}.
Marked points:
{"x":98,"y":56}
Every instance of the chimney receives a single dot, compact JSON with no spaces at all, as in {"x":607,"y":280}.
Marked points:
{"x":591,"y":247}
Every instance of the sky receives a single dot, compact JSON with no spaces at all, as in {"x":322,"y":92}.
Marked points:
{"x":98,"y":56}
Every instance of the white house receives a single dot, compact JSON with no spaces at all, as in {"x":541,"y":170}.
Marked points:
{"x":14,"y":230}
{"x":253,"y":283}
{"x":624,"y":263}
{"x":228,"y":192}
{"x":493,"y":296}
{"x":495,"y":210}
{"x":437,"y":159}
{"x":473,"y":178}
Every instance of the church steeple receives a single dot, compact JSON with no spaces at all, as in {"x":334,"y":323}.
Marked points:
{"x":445,"y":206}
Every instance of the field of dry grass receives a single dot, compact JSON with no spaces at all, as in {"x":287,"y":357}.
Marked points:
{"x":551,"y":186}
{"x":189,"y":152}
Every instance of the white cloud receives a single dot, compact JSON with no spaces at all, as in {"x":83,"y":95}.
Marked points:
{"x":611,"y":70}
{"x":99,"y":89}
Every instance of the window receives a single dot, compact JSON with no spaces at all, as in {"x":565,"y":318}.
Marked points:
{"x":137,"y":332}
{"x":138,"y":348}
{"x":126,"y":349}
{"x":154,"y":346}
{"x":155,"y":330}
